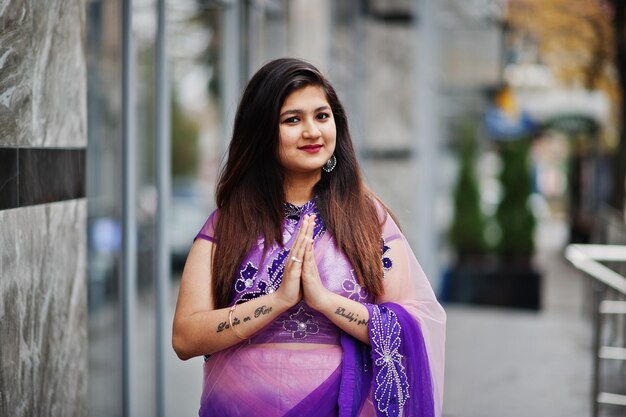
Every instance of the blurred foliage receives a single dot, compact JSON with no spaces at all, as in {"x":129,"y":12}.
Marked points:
{"x":514,"y":216}
{"x":574,"y":37}
{"x":184,"y":142}
{"x":467,"y":233}
{"x":207,"y":15}
{"x":584,"y":43}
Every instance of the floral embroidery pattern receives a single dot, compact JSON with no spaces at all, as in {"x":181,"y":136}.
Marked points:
{"x":275,"y":272}
{"x":392,"y":385}
{"x":387,"y":264}
{"x":301,"y":324}
{"x":246,"y":277}
{"x":353,"y":288}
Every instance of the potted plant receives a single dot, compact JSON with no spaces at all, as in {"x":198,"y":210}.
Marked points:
{"x":467,"y":231}
{"x":518,"y":282}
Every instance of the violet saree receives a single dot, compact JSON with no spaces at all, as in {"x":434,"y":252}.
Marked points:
{"x":303,"y":365}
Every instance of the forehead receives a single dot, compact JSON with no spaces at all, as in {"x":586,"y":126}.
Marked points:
{"x":309,"y":96}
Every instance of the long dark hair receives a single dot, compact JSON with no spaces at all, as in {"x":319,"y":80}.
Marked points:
{"x":250,"y":192}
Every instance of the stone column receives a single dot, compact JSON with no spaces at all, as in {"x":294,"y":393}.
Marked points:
{"x":43,"y":304}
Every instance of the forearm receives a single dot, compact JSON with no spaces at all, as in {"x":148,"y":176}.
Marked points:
{"x":350,"y":316}
{"x":207,"y":332}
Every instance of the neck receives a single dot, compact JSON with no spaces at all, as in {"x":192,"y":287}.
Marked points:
{"x":299,"y":189}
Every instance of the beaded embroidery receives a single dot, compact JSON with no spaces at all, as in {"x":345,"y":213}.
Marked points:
{"x":301,"y":324}
{"x":354,"y":289}
{"x":294,"y":213}
{"x":246,"y":277}
{"x":275,"y":271}
{"x":387,"y":264}
{"x":392,"y":385}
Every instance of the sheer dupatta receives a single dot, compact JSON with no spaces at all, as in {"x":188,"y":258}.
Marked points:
{"x":407,"y":334}
{"x":401,"y":372}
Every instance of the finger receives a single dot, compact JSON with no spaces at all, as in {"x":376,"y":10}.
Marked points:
{"x":310,"y":228}
{"x":308,"y":252}
{"x":298,"y":244}
{"x":301,"y":249}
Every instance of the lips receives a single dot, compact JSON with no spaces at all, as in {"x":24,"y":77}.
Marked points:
{"x":310,"y":148}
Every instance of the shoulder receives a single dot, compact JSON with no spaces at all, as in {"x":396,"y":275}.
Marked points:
{"x":382,"y":211}
{"x":207,"y":232}
{"x":388,"y":222}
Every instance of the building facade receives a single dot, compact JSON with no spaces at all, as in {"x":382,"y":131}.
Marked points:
{"x":43,"y":137}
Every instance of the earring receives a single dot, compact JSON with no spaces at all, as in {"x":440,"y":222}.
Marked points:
{"x":330,"y":164}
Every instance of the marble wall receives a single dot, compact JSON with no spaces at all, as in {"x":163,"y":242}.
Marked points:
{"x":42,"y":67}
{"x":43,"y":305}
{"x":43,"y":314}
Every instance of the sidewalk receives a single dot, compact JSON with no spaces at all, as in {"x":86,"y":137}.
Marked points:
{"x":509,"y":363}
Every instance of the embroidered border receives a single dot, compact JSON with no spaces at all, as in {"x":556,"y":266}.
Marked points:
{"x":391,"y":382}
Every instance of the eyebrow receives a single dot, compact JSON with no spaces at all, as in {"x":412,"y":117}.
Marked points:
{"x":298,"y":111}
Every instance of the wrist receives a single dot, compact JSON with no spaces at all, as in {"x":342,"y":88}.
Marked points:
{"x":322,"y":302}
{"x":282,"y":304}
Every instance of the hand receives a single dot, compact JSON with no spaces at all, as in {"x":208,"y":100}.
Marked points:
{"x":290,"y":290}
{"x":314,"y":292}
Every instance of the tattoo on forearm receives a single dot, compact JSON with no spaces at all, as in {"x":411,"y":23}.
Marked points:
{"x":350,"y":316}
{"x":261,"y":311}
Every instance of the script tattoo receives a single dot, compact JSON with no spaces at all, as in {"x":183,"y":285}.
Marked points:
{"x":261,"y":311}
{"x":222,"y":326}
{"x":350,"y":316}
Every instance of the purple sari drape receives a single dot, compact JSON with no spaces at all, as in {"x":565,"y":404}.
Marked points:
{"x":399,"y":375}
{"x":396,"y":368}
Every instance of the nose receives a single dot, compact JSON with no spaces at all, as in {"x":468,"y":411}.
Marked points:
{"x":311,"y":131}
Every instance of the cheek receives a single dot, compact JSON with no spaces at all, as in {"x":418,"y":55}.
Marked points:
{"x":331,"y":136}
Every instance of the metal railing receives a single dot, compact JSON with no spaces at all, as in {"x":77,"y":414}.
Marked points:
{"x":605,"y":264}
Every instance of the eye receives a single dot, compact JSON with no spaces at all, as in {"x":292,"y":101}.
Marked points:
{"x":291,"y":120}
{"x":323,"y":116}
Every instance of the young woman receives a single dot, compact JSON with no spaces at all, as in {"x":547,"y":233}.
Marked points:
{"x":300,"y":290}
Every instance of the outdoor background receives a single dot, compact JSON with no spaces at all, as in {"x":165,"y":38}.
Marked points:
{"x":493,"y":130}
{"x":434,"y":104}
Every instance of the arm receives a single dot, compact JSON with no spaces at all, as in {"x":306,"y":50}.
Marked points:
{"x":201,"y":329}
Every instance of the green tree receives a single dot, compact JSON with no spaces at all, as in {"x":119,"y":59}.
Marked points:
{"x":184,"y":142}
{"x":514,"y":216}
{"x":467,"y":233}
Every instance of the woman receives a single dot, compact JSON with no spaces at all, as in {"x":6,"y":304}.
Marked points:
{"x":300,"y":290}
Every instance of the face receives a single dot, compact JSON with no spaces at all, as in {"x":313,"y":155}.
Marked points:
{"x":307,"y":132}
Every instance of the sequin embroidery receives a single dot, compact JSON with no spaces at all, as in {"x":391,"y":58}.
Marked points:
{"x":246,"y":277}
{"x":301,"y":324}
{"x":275,"y":271}
{"x":387,"y":264}
{"x":354,"y":289}
{"x":392,"y":385}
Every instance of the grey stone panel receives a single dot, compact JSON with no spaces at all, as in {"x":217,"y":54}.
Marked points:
{"x":15,"y":72}
{"x":43,"y":83}
{"x":43,"y":310}
{"x":59,"y":74}
{"x":388,"y":96}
